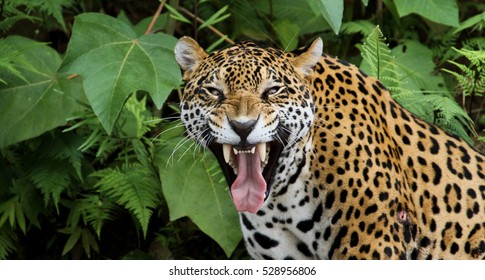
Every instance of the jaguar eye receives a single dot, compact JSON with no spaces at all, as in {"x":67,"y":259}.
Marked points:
{"x":272,"y":90}
{"x":215,"y":91}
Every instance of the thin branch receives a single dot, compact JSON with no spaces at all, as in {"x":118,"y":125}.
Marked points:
{"x":155,"y":16}
{"x":212,"y":28}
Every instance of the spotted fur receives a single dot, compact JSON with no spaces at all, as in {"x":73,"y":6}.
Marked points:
{"x":358,"y":176}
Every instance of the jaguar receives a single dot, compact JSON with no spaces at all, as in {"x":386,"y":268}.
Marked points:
{"x":322,"y":163}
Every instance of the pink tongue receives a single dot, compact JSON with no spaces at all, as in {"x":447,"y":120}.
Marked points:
{"x":249,"y":187}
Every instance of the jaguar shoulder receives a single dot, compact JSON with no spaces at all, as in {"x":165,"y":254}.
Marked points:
{"x":323,"y":164}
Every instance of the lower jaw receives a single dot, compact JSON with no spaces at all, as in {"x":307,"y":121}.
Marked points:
{"x":269,"y":169}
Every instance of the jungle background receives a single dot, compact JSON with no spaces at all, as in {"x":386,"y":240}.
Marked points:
{"x":93,"y":160}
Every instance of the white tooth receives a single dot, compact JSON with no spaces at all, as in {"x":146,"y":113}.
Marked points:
{"x":226,"y":149}
{"x":235,"y":151}
{"x":253,"y":150}
{"x":261,"y":151}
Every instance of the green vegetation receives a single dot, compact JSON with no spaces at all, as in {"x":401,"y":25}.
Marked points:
{"x":93,"y":162}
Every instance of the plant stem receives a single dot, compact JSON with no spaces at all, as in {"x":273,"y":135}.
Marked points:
{"x":155,"y":16}
{"x":212,"y":28}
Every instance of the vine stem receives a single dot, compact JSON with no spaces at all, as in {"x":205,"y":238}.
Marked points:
{"x":155,"y":16}
{"x":212,"y":28}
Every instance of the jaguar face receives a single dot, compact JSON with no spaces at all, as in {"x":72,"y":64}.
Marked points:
{"x":246,"y":110}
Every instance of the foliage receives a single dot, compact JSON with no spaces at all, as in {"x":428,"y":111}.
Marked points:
{"x":98,"y":39}
{"x":404,"y":75}
{"x":440,"y":11}
{"x":86,"y":161}
{"x":200,"y":192}
{"x":472,"y":81}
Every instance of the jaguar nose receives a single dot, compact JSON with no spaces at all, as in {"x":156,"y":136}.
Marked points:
{"x":243,"y":128}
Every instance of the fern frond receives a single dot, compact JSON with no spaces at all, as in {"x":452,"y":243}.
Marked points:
{"x":476,"y":43}
{"x":476,"y":57}
{"x":439,"y":110}
{"x":472,"y":77}
{"x":11,"y":14}
{"x":134,"y":187}
{"x":54,"y":8}
{"x":62,"y":147}
{"x":97,"y":211}
{"x":12,"y":210}
{"x":51,"y":178}
{"x":441,"y":49}
{"x":378,"y":55}
{"x":11,"y":157}
{"x":8,"y":239}
{"x":135,"y":120}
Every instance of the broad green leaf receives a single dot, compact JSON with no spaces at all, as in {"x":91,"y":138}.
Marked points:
{"x":364,"y":27}
{"x":253,"y":24}
{"x":440,"y":11}
{"x":39,"y":99}
{"x":247,"y":22}
{"x":113,"y":63}
{"x":287,"y":33}
{"x":391,"y":6}
{"x":415,"y":67}
{"x":332,"y":11}
{"x":194,"y":186}
{"x":365,"y":2}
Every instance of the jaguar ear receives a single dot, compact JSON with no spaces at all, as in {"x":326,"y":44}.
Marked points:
{"x":306,"y":61}
{"x":188,"y":54}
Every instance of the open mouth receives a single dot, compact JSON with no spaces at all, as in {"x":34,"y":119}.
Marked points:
{"x":249,"y":171}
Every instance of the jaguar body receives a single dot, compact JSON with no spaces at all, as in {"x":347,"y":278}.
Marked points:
{"x":323,"y":164}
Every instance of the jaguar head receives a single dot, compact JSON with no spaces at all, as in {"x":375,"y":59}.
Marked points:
{"x":247,"y":104}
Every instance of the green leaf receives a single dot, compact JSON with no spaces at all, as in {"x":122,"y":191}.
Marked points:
{"x":477,"y":20}
{"x":20,"y":217}
{"x":254,"y":24}
{"x":215,"y":44}
{"x":365,"y":2}
{"x":52,"y":178}
{"x":438,"y":109}
{"x":54,"y":8}
{"x":215,"y":18}
{"x":7,"y":242}
{"x":134,"y":187}
{"x":363,"y":27}
{"x":332,"y":11}
{"x":415,"y":66}
{"x":176,"y":15}
{"x":378,"y":60}
{"x":248,"y":22}
{"x":287,"y":33}
{"x":39,"y":101}
{"x":7,"y":210}
{"x":73,"y":239}
{"x":440,"y":11}
{"x":113,"y":63}
{"x":194,"y":187}
{"x":97,"y":211}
